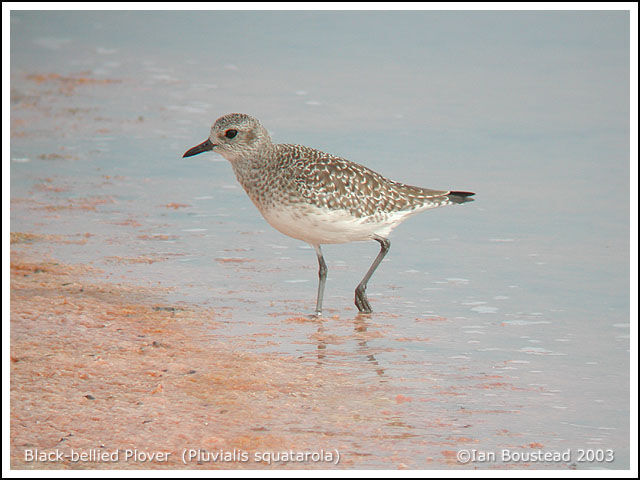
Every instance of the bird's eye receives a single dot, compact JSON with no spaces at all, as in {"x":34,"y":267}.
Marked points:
{"x":230,"y":133}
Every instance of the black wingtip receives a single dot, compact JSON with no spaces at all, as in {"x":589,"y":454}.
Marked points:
{"x":461,"y":197}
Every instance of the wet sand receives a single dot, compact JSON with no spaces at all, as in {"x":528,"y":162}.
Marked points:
{"x":109,"y":368}
{"x":109,"y":376}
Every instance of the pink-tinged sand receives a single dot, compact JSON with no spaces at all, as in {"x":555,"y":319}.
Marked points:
{"x":109,"y":367}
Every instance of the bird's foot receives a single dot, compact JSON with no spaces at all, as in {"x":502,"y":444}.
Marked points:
{"x":361,"y":301}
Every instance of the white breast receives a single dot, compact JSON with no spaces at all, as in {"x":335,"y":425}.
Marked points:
{"x":317,"y":226}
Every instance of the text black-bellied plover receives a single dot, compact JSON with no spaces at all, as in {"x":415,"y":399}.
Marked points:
{"x":317,"y":197}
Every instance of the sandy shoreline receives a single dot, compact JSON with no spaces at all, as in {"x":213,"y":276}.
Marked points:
{"x":109,"y":371}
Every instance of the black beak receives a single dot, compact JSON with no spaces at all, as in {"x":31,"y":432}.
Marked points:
{"x":203,"y":147}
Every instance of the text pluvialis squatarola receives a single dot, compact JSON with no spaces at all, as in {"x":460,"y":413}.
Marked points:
{"x":317,"y":197}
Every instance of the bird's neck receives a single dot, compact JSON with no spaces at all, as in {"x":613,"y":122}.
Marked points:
{"x":252,"y":170}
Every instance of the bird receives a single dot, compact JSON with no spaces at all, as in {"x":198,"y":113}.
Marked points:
{"x":318,"y":197}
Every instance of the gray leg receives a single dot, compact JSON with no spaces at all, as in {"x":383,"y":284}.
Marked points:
{"x":322,"y":275}
{"x":361,"y":298}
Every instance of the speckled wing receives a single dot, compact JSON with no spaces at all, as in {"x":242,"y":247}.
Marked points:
{"x":338,"y":184}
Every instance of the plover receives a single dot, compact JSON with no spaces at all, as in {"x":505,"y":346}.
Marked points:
{"x":317,"y":197}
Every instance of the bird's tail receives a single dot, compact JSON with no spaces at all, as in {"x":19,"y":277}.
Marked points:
{"x":460,"y":197}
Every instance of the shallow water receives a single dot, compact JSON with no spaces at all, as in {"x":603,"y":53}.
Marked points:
{"x":503,"y":323}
